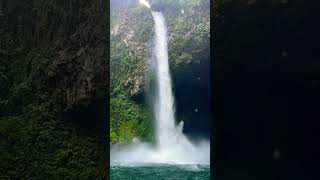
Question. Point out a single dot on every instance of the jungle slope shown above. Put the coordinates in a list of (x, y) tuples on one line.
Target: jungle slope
[(53, 76)]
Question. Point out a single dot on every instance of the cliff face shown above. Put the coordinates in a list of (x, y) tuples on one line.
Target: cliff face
[(53, 61), (188, 36), (74, 37), (79, 68)]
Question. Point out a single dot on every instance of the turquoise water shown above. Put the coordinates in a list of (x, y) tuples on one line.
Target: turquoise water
[(160, 172)]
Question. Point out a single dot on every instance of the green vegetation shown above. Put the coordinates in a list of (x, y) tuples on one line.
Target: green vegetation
[(128, 120), (36, 140)]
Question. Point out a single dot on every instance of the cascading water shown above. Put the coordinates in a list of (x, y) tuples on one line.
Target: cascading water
[(172, 147), (164, 101)]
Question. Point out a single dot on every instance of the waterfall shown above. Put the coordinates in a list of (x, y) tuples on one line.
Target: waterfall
[(173, 147), (170, 139), (164, 100)]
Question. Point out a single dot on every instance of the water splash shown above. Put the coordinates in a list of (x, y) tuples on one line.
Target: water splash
[(172, 147)]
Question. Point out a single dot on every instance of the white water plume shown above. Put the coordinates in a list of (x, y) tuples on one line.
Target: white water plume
[(172, 147)]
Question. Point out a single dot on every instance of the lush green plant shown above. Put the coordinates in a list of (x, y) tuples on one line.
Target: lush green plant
[(128, 120), (35, 142)]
